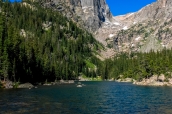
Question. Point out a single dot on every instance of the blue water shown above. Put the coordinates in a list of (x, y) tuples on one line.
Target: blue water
[(94, 98)]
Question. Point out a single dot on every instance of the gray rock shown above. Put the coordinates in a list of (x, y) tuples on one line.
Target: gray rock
[(92, 12), (26, 85)]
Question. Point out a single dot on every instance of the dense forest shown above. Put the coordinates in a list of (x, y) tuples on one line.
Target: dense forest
[(139, 65), (38, 45)]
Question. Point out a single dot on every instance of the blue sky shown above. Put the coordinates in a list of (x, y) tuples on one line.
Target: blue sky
[(120, 7), (14, 0)]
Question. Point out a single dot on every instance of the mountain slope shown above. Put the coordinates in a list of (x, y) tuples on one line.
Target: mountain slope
[(38, 45), (148, 29), (151, 22)]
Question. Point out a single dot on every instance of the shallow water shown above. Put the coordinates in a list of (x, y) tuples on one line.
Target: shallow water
[(94, 98)]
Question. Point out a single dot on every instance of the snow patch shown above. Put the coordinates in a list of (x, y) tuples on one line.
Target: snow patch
[(132, 45), (125, 28), (134, 22), (116, 23), (113, 27), (111, 35), (138, 38), (130, 14)]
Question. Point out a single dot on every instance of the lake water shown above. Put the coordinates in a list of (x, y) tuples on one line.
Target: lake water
[(94, 98)]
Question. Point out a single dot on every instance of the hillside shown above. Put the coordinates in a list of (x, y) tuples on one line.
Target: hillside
[(39, 44)]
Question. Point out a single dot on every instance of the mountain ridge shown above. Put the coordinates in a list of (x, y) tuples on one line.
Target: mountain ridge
[(131, 32)]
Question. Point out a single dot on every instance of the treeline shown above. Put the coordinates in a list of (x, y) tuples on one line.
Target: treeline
[(140, 65), (38, 45)]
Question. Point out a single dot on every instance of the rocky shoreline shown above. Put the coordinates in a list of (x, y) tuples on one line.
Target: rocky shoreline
[(10, 85), (152, 81), (155, 81)]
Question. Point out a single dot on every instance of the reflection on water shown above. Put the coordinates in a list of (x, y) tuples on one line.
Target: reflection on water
[(94, 98)]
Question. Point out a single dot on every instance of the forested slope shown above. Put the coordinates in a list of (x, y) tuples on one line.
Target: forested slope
[(38, 44), (140, 65)]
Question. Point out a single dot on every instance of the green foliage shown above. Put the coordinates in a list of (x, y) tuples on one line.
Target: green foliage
[(16, 84), (89, 64)]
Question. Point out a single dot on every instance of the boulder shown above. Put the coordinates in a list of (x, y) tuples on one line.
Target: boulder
[(26, 85)]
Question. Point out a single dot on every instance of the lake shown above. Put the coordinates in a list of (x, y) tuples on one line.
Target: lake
[(94, 98)]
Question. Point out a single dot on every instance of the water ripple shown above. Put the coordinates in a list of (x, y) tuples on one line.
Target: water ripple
[(94, 98)]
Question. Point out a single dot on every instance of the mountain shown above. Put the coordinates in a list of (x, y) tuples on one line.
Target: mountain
[(148, 29), (142, 31)]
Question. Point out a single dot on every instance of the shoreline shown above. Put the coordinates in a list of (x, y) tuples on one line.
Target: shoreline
[(151, 81)]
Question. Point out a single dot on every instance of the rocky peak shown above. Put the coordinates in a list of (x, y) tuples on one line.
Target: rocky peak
[(148, 29), (160, 9)]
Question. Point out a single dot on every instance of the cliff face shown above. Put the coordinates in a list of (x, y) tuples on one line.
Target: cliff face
[(91, 12)]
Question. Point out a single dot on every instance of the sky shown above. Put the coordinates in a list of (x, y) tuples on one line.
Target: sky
[(13, 0), (121, 7)]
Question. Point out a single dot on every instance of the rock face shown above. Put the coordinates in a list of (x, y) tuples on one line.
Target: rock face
[(92, 12)]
